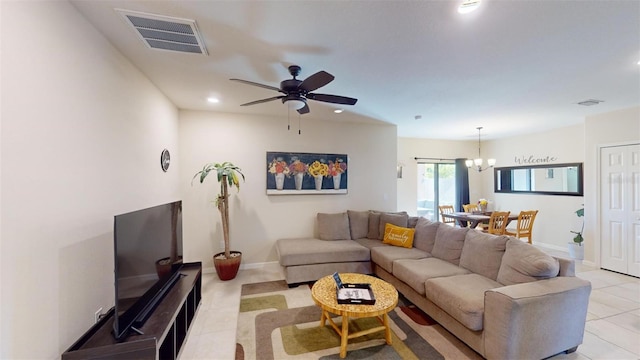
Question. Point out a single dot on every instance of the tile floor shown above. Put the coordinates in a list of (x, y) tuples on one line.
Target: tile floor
[(612, 329)]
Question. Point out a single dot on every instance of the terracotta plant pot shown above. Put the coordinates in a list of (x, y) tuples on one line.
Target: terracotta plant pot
[(163, 266), (227, 269)]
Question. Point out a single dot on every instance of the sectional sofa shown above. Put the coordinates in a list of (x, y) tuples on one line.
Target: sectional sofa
[(503, 297)]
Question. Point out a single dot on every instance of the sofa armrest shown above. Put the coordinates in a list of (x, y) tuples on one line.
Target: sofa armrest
[(567, 266), (535, 320)]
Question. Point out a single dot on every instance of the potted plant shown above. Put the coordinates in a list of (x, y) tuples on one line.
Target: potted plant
[(226, 263), (575, 248)]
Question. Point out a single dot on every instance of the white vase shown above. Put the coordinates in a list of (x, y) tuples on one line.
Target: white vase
[(576, 251), (318, 179), (279, 181), (336, 181), (298, 179)]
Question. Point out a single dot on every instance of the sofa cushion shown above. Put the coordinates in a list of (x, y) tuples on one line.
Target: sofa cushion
[(384, 256), (376, 231), (374, 225), (412, 221), (358, 223), (425, 236), (333, 226), (398, 236), (461, 296), (449, 242), (369, 243), (482, 253), (314, 251), (415, 272), (398, 219), (522, 263)]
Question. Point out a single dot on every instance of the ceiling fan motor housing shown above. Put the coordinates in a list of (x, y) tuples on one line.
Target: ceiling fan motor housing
[(291, 86)]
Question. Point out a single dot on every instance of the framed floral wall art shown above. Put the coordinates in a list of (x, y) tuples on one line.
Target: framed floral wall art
[(291, 173)]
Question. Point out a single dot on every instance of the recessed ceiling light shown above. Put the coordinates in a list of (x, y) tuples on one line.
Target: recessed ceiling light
[(468, 6), (338, 111), (213, 100)]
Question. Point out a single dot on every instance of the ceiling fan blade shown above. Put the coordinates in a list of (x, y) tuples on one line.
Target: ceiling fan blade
[(256, 84), (263, 100), (316, 81), (304, 109), (336, 99)]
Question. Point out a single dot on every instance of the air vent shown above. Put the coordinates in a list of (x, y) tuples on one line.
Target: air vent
[(165, 33), (590, 102)]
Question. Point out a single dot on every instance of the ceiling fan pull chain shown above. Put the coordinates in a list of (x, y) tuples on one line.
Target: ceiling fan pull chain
[(299, 131), (288, 119)]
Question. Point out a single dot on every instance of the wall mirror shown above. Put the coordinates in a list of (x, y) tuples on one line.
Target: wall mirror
[(550, 179)]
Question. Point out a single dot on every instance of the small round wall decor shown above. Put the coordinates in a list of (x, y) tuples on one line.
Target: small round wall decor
[(165, 160)]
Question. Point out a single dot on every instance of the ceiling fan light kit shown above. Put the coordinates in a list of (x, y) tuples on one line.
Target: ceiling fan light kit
[(294, 104), (297, 92)]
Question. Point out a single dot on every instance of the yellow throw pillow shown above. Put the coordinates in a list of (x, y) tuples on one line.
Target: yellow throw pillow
[(398, 236)]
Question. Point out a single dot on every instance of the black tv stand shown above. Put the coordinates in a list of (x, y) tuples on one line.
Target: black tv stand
[(162, 335), (151, 306), (135, 330)]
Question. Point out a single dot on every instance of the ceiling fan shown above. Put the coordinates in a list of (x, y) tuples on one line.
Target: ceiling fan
[(296, 92)]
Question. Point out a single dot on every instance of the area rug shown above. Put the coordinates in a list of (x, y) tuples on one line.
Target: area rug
[(276, 322)]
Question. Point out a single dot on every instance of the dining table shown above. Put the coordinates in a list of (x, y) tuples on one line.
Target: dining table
[(474, 218)]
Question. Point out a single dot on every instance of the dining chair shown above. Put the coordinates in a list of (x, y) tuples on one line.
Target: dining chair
[(498, 222), (447, 209), (470, 207), (525, 225)]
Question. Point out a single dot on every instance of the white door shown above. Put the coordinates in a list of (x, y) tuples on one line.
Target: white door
[(620, 214)]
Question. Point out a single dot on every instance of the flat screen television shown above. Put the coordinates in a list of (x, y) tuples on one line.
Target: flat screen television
[(148, 258)]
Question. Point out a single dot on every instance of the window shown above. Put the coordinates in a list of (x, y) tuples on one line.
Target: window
[(436, 186)]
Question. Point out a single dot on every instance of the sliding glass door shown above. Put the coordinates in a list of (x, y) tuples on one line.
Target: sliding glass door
[(436, 186)]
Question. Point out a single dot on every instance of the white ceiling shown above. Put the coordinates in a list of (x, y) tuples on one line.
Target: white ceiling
[(513, 67)]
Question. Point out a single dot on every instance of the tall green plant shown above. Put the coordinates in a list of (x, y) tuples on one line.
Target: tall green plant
[(227, 176), (578, 239)]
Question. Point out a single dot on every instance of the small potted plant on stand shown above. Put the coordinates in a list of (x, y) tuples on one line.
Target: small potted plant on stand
[(576, 250), (226, 263)]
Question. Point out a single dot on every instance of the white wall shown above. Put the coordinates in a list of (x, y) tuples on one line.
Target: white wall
[(410, 148), (82, 131), (556, 215), (258, 220), (614, 128)]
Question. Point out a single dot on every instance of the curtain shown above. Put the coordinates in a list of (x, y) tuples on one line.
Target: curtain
[(462, 184)]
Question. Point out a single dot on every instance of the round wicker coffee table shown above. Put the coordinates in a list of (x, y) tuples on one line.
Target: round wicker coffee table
[(324, 295)]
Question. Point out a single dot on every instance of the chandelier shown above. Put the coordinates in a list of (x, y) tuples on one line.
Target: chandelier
[(477, 162)]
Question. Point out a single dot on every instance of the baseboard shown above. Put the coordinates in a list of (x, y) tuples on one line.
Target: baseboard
[(565, 253), (264, 265), (553, 247), (271, 265)]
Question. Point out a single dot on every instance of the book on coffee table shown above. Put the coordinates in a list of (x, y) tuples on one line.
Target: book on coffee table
[(353, 293)]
